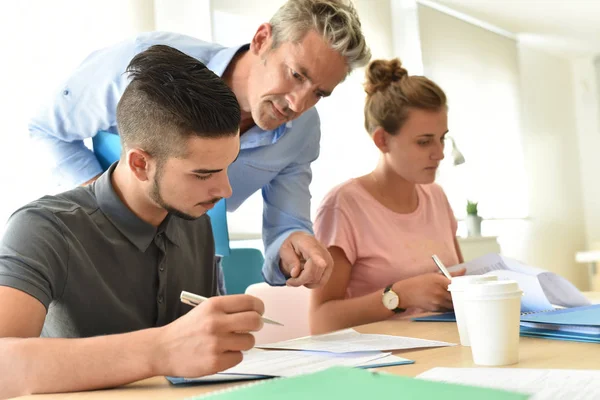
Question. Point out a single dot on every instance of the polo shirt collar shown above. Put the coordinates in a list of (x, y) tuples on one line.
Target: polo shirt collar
[(137, 231)]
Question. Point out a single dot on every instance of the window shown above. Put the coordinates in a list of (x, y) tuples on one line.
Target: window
[(478, 70)]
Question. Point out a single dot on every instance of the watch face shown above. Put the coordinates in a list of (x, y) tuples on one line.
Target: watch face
[(390, 300)]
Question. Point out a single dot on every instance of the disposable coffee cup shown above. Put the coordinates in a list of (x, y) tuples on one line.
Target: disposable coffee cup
[(492, 311), (457, 289)]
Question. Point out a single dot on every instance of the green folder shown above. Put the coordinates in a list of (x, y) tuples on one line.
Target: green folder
[(350, 383)]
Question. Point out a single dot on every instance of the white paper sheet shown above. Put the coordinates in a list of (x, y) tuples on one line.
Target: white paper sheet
[(542, 288), (290, 363), (348, 341), (543, 384)]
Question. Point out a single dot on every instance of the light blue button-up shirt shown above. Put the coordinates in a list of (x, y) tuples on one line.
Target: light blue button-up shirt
[(277, 161)]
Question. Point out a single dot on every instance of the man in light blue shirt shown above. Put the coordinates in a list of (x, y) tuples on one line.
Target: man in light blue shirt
[(300, 56)]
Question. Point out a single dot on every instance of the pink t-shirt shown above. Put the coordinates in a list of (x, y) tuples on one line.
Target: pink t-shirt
[(382, 245)]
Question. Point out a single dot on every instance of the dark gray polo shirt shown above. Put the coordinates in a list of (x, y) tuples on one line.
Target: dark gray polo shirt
[(99, 269)]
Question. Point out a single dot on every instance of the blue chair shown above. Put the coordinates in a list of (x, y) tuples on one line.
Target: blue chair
[(218, 220), (107, 148), (242, 268)]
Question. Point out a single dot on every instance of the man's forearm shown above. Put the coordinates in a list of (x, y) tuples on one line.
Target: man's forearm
[(41, 365)]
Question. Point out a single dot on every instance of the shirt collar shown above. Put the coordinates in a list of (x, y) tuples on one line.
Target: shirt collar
[(221, 60), (137, 231)]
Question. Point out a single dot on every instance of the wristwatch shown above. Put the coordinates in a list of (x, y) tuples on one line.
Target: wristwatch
[(391, 300)]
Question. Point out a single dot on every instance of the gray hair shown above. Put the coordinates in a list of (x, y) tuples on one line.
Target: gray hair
[(335, 20)]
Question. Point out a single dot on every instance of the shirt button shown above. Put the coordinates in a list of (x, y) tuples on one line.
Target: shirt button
[(160, 299), (161, 269)]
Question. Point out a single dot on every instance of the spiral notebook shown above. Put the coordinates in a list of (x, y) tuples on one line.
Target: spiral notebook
[(581, 324)]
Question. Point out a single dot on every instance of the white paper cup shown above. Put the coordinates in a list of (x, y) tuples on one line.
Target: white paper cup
[(492, 311), (457, 289)]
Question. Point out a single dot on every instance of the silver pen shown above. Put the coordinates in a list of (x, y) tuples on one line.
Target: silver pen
[(441, 266), (194, 300)]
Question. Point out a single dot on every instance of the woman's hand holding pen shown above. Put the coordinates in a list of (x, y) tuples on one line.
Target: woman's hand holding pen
[(210, 337), (428, 292)]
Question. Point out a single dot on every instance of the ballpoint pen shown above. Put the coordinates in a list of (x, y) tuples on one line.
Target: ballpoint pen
[(441, 266), (194, 300)]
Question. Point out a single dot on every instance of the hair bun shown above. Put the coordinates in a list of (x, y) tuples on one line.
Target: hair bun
[(381, 73)]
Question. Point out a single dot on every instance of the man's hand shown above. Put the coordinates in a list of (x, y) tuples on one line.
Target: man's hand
[(210, 338), (305, 261)]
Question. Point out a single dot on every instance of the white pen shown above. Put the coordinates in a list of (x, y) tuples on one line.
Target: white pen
[(194, 300), (441, 266)]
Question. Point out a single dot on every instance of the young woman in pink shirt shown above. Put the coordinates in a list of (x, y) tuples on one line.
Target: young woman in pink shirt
[(382, 228)]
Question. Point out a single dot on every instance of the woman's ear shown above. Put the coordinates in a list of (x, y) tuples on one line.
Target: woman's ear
[(380, 138), (139, 163)]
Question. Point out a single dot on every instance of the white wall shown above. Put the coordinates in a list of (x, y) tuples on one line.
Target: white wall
[(42, 42), (478, 70), (544, 153), (189, 17), (554, 231), (586, 89)]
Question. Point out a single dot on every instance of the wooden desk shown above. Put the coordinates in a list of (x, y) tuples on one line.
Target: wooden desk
[(534, 353)]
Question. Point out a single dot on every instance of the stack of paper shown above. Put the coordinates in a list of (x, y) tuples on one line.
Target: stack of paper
[(543, 384), (315, 353)]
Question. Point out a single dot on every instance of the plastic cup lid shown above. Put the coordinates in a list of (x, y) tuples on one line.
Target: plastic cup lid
[(493, 289), (461, 282)]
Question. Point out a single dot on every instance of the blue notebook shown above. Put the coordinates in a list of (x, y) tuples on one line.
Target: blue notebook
[(559, 335), (578, 324), (579, 316)]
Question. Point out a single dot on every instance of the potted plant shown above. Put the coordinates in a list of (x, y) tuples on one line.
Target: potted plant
[(473, 219)]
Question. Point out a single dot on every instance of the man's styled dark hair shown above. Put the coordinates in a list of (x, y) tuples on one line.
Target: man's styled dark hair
[(172, 97)]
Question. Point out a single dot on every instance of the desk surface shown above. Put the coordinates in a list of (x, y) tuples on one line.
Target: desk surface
[(534, 353)]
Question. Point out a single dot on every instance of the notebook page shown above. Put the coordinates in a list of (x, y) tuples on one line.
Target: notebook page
[(543, 384)]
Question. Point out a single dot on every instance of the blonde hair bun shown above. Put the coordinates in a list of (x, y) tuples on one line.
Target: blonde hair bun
[(381, 73)]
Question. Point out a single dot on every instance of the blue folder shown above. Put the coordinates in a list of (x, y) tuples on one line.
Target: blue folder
[(443, 317)]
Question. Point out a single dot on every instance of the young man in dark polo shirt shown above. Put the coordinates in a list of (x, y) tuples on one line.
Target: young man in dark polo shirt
[(90, 278)]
